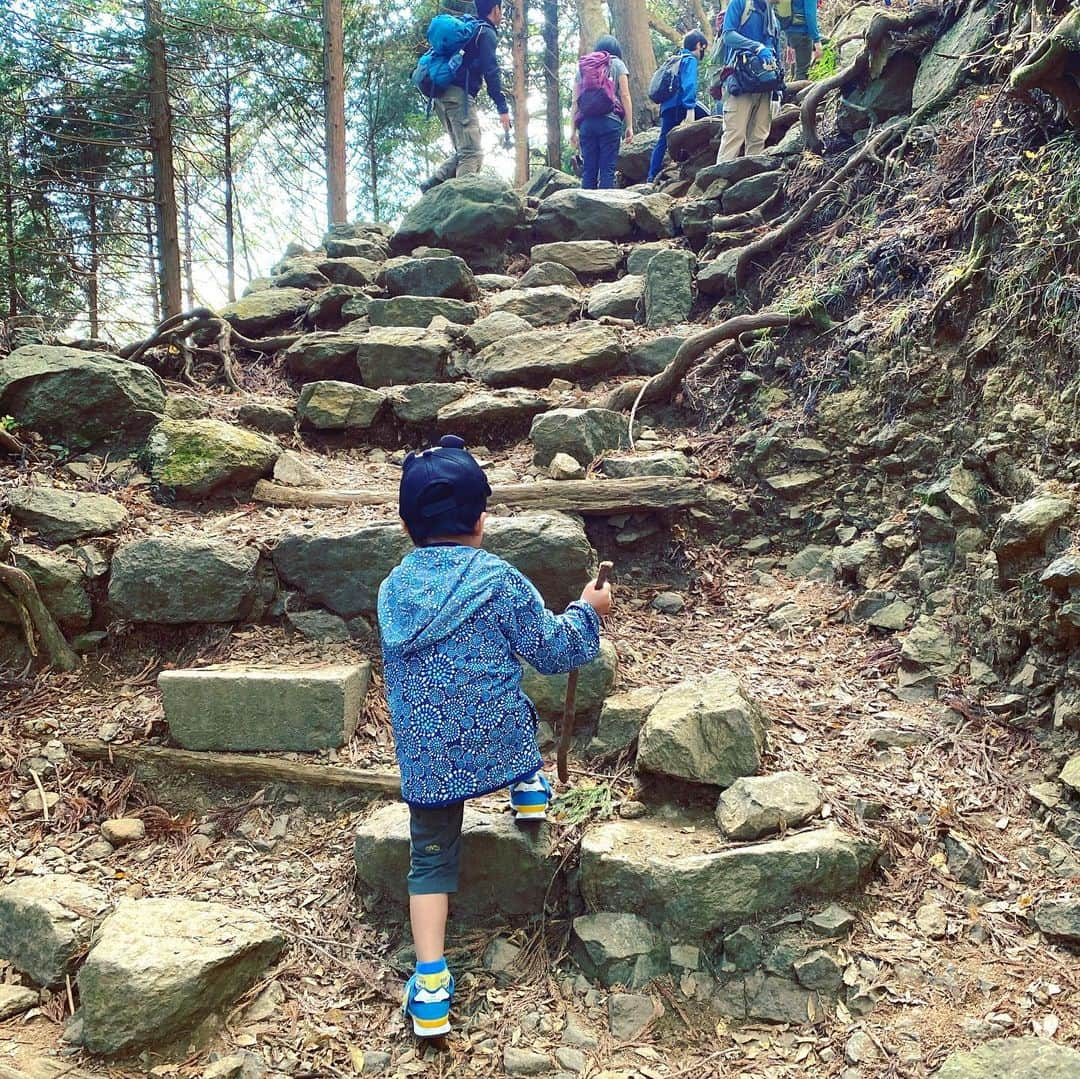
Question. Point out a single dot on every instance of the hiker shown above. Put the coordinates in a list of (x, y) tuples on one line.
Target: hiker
[(798, 21), (601, 111), (752, 41), (453, 620), (456, 105), (683, 103)]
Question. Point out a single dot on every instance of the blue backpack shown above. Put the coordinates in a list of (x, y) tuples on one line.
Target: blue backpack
[(448, 36)]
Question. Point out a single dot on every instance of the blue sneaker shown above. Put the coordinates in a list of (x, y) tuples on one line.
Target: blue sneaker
[(529, 797), (427, 1002)]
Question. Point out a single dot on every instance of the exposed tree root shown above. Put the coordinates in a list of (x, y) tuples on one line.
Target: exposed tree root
[(1053, 66), (982, 246), (9, 443), (37, 622), (199, 323)]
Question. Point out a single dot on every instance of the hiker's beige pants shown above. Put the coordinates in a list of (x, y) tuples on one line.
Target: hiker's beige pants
[(462, 123), (747, 121)]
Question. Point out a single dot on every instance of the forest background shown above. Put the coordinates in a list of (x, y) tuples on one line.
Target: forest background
[(98, 97)]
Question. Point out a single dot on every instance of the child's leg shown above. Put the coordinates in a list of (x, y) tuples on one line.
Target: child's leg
[(427, 913)]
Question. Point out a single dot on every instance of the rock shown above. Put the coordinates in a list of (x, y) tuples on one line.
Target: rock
[(860, 1048), (595, 679), (180, 407), (635, 155), (813, 562), (946, 59), (323, 355), (1060, 919), (472, 215), (46, 923), (83, 400), (356, 249), (654, 214), (302, 273), (619, 949), (586, 215), (518, 1061), (195, 458), (549, 305), (339, 306), (577, 1032), (672, 873), (1067, 709), (495, 282), (339, 406), (703, 732), (1025, 528), (179, 959), (450, 278), (503, 411), (621, 718), (669, 288), (893, 617), (501, 958), (123, 830), (533, 359), (549, 273), (419, 311), (963, 861), (793, 485), (318, 625), (237, 707), (546, 181), (616, 299), (293, 471), (32, 803), (572, 1060), (61, 583), (1013, 1058), (236, 1066), (696, 137), (499, 851), (177, 579), (751, 192), (668, 603), (720, 276), (888, 94), (270, 419), (391, 355), (16, 999), (767, 997), (267, 312), (62, 516), (928, 647), (343, 572), (494, 327), (583, 433), (756, 806), (652, 357), (564, 467), (629, 1014), (588, 258), (350, 271), (657, 463), (931, 919), (421, 402), (832, 922)]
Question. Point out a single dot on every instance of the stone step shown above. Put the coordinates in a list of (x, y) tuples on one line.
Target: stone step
[(683, 877), (235, 707), (506, 869)]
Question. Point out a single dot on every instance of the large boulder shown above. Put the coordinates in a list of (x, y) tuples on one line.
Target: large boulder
[(194, 458), (636, 155), (751, 192), (179, 579), (887, 94), (595, 679), (621, 719), (421, 402), (350, 270), (584, 257), (506, 869), (619, 949), (706, 731), (324, 355), (395, 355), (62, 516), (652, 357), (551, 549), (237, 707), (586, 215), (1013, 1058), (339, 406), (669, 288), (180, 960), (616, 299), (583, 433), (1026, 527), (302, 273), (492, 328), (46, 924), (507, 412), (419, 311), (446, 277), (950, 55), (267, 311), (533, 359), (548, 305), (540, 274), (673, 874), (757, 806), (472, 215), (83, 400)]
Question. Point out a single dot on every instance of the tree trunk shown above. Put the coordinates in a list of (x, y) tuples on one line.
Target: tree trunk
[(520, 53), (630, 24), (592, 24), (551, 84), (161, 150), (151, 256), (92, 291), (230, 199), (189, 242), (334, 106), (11, 276)]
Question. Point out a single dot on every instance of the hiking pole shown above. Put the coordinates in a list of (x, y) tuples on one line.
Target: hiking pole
[(566, 731)]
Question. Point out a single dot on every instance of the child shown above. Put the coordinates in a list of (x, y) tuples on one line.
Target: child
[(452, 619)]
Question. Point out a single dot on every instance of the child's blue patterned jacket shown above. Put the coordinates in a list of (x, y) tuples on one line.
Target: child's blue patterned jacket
[(452, 620)]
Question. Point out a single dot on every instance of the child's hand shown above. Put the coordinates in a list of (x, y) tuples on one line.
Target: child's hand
[(598, 598)]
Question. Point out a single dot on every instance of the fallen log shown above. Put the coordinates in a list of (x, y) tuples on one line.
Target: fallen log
[(598, 497), (239, 767)]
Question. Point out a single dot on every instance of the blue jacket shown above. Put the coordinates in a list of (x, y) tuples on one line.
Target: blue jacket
[(479, 64), (686, 98), (453, 620), (803, 19), (759, 29)]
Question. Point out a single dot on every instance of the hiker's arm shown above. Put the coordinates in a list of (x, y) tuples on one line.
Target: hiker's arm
[(733, 19), (810, 8), (489, 68), (575, 136), (688, 80), (628, 111), (552, 643)]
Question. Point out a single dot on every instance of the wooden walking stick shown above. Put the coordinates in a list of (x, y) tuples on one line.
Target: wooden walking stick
[(566, 731)]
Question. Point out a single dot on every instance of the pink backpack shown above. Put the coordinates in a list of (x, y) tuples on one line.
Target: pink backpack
[(596, 92)]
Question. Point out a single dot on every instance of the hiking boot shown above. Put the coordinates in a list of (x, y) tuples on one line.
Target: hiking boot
[(428, 184), (529, 797), (427, 1002)]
